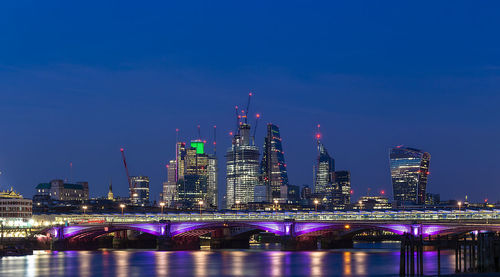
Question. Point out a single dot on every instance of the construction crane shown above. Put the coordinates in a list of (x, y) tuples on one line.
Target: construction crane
[(248, 107), (257, 117), (126, 171)]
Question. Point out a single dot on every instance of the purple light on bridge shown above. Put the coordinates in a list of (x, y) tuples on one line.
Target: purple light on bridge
[(304, 228)]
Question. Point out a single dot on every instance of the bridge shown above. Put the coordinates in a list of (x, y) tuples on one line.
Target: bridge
[(297, 230)]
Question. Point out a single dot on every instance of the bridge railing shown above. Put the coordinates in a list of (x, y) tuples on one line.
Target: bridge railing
[(426, 215)]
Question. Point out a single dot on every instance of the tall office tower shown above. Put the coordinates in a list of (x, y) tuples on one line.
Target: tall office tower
[(192, 187), (212, 191), (170, 186), (341, 193), (409, 170), (325, 172), (273, 167), (242, 164), (139, 193)]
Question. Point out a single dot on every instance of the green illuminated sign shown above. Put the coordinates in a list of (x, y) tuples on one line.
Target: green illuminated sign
[(199, 145)]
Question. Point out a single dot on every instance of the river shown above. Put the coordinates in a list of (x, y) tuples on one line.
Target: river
[(366, 259)]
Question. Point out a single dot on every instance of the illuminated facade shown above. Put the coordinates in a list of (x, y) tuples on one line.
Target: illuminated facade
[(242, 164), (273, 167), (13, 205), (325, 171), (58, 190), (341, 192), (170, 186), (194, 173), (139, 192), (409, 172)]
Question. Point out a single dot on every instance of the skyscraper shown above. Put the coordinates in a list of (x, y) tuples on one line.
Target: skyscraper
[(341, 189), (325, 172), (242, 164), (140, 189), (273, 167), (409, 170), (170, 186)]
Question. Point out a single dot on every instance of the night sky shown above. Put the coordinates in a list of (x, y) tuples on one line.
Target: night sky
[(80, 80)]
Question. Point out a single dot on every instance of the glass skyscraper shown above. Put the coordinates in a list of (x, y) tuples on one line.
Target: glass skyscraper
[(140, 189), (409, 172), (325, 171), (273, 167), (242, 168)]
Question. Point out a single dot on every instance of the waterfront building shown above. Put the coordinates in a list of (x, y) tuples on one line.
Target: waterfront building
[(373, 203), (59, 190), (139, 192), (242, 168), (409, 172), (13, 205), (273, 167)]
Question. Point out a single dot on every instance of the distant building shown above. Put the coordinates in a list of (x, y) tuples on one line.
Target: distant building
[(212, 197), (409, 172), (341, 190), (58, 190), (306, 192), (110, 192), (260, 194), (325, 171), (291, 194), (242, 168), (170, 186), (432, 199), (139, 192), (273, 167), (13, 205), (373, 203)]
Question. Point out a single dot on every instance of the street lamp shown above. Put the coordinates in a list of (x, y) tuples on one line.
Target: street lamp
[(316, 202), (162, 204), (459, 206), (237, 204), (360, 204), (201, 205), (275, 204), (84, 209), (123, 207)]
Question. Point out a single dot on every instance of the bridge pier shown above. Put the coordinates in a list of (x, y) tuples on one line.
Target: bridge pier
[(335, 242), (58, 243), (120, 240)]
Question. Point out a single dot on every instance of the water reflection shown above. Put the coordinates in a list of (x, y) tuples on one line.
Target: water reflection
[(252, 262)]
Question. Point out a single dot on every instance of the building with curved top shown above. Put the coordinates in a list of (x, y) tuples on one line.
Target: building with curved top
[(409, 173)]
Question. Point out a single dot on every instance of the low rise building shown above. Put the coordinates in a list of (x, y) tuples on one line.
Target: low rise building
[(13, 205), (59, 190)]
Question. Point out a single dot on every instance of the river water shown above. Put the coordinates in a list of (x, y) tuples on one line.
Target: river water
[(366, 259)]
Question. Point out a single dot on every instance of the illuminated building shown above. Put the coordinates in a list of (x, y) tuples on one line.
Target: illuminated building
[(260, 194), (273, 167), (373, 203), (341, 189), (195, 174), (13, 205), (139, 192), (325, 171), (170, 186), (110, 192), (58, 190), (409, 172), (242, 164)]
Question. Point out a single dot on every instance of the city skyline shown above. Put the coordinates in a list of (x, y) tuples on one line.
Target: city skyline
[(75, 91)]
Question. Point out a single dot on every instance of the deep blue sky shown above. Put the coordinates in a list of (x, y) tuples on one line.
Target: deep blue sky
[(80, 80)]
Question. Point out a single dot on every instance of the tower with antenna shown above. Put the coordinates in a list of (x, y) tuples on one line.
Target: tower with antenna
[(242, 162)]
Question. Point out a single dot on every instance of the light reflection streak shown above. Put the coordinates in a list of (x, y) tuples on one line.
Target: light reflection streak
[(347, 263), (200, 263), (360, 259), (161, 262), (84, 263), (317, 263), (122, 263), (276, 263), (238, 263)]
